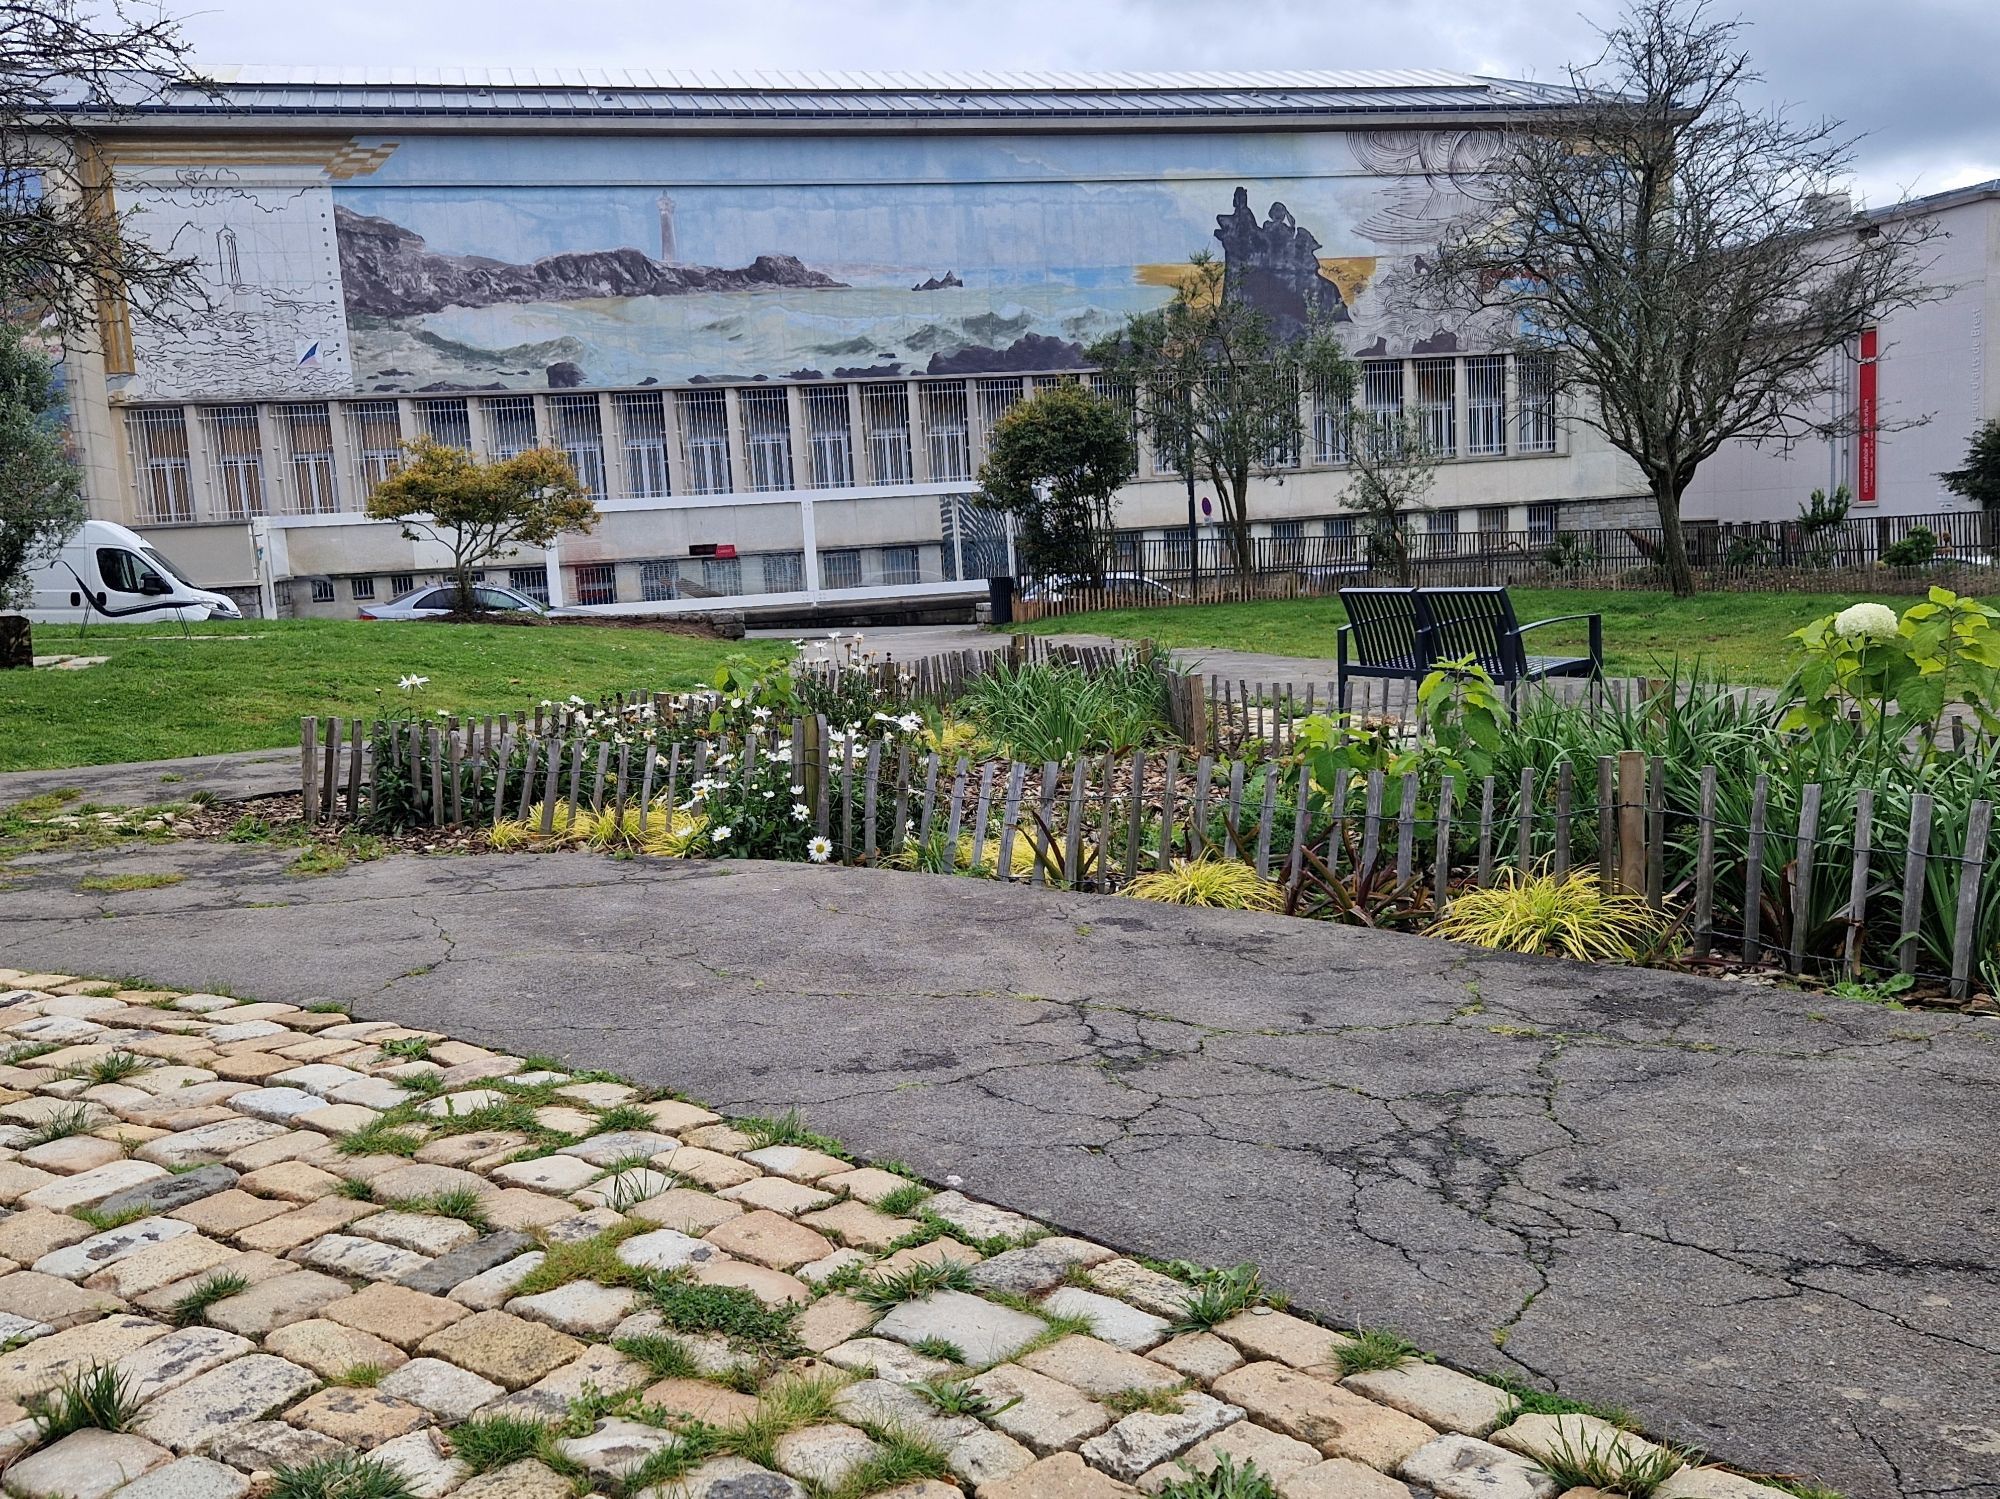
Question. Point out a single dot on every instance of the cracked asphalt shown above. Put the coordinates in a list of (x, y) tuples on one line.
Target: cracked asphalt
[(1765, 1222)]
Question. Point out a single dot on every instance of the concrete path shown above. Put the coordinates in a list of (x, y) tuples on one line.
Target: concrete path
[(230, 778), (1763, 1221)]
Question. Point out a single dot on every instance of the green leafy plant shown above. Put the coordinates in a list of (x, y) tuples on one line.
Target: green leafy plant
[(95, 1397), (664, 1357), (1916, 547), (71, 1119), (942, 1349), (729, 1310), (1051, 710), (1572, 915), (904, 1200), (114, 1066), (955, 1397), (1882, 992), (409, 1048), (192, 1307)]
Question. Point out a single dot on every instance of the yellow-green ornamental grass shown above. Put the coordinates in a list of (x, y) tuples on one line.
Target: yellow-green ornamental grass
[(1223, 885), (1571, 915)]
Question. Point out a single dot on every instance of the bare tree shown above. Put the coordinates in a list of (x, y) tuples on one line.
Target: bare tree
[(1391, 467), (1677, 254), (1216, 389), (67, 69)]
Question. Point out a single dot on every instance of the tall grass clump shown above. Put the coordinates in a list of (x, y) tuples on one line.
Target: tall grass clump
[(1052, 710)]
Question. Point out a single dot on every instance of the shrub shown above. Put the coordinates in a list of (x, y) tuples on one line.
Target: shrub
[(1914, 548), (1571, 915), (1222, 884)]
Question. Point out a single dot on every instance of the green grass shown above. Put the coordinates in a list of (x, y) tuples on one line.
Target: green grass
[(347, 1476), (1739, 636), (118, 884), (488, 1442), (193, 1307), (1374, 1349), (94, 1397), (242, 685)]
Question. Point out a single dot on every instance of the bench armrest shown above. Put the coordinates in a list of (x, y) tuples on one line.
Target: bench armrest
[(1596, 623), (1560, 619)]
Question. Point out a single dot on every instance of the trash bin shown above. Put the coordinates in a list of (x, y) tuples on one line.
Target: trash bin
[(1000, 594)]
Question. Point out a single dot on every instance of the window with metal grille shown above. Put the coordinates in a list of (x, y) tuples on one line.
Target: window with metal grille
[(510, 425), (840, 569), (1382, 404), (1288, 542), (767, 437), (994, 397), (402, 583), (1333, 420), (235, 461), (1486, 405), (160, 467), (533, 581), (885, 416), (722, 575), (902, 564), (579, 432), (1437, 405), (597, 583), (447, 420), (659, 580), (642, 424), (1535, 393), (829, 437), (1340, 534), (374, 440), (306, 429), (784, 572), (361, 590), (1492, 522), (1542, 522), (947, 433), (322, 590), (704, 419), (1443, 528)]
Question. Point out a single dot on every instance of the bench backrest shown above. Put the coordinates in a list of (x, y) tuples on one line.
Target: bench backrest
[(1475, 622), (1384, 624)]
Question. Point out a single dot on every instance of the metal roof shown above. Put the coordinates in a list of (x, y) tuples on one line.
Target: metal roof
[(775, 95)]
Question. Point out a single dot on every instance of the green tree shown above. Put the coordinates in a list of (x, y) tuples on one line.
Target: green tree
[(1218, 392), (1979, 480), (482, 511), (1054, 463), (41, 496)]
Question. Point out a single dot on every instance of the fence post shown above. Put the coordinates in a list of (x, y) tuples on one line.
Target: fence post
[(308, 766), (1632, 821), (1857, 884), (1753, 871), (1802, 865), (1913, 883), (1704, 868), (1971, 870)]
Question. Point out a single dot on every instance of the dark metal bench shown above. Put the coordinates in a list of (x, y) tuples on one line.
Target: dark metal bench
[(1402, 633)]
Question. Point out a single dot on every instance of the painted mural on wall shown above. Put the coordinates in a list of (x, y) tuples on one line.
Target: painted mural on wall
[(274, 324), (469, 263)]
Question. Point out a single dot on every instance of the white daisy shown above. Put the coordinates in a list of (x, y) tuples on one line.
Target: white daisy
[(820, 850)]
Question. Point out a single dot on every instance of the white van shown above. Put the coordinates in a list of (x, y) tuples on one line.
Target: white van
[(106, 573)]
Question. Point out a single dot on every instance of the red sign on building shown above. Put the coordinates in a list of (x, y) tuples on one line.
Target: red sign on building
[(1864, 412)]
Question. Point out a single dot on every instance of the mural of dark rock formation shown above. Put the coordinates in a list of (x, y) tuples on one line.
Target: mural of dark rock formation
[(1274, 266), (387, 271)]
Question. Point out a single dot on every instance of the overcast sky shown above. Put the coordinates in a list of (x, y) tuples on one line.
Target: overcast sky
[(1919, 77)]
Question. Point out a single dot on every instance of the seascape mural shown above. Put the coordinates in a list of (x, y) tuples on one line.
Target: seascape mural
[(470, 263)]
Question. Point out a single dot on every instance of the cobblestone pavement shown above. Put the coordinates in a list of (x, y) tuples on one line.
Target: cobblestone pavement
[(293, 1237)]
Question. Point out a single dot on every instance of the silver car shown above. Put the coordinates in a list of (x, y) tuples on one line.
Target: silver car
[(437, 600)]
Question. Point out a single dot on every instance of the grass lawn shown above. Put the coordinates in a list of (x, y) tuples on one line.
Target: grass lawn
[(245, 685), (1739, 637)]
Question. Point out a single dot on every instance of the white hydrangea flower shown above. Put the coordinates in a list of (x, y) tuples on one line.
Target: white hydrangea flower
[(1866, 622)]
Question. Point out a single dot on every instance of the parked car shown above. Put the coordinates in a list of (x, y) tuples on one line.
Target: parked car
[(1126, 588), (108, 573), (437, 600)]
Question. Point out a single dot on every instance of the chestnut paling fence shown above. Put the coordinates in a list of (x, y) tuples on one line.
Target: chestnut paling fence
[(1852, 884)]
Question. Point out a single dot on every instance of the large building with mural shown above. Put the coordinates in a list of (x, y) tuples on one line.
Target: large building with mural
[(771, 323)]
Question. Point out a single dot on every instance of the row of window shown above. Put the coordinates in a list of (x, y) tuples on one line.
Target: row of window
[(324, 458)]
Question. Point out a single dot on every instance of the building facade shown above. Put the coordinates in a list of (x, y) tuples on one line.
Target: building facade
[(1907, 396), (771, 325)]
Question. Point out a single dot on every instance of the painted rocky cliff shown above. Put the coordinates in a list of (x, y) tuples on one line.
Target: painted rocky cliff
[(1274, 265), (388, 271)]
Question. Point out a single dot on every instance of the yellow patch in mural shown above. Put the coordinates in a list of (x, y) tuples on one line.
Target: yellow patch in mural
[(1351, 273), (1178, 275)]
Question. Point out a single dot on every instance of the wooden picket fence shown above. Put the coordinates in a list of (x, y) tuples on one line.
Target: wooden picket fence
[(1098, 821)]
